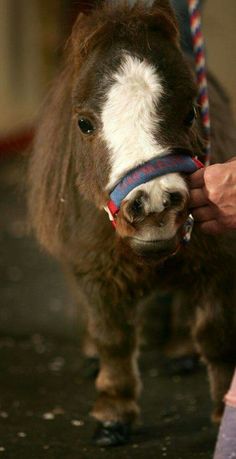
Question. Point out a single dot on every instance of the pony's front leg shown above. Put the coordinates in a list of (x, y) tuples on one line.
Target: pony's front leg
[(113, 329)]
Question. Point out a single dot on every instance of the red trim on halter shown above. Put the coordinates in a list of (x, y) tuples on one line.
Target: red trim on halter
[(113, 209), (198, 163)]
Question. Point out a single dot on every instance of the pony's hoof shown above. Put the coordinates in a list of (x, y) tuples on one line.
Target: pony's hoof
[(112, 434)]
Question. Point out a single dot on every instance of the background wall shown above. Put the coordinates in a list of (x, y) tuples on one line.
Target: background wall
[(220, 34), (20, 62)]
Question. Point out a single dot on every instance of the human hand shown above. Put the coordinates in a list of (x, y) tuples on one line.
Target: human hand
[(213, 197)]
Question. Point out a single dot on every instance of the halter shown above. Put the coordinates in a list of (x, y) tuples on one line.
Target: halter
[(179, 160)]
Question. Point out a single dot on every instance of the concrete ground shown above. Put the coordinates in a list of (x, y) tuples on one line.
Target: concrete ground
[(45, 388), (46, 396)]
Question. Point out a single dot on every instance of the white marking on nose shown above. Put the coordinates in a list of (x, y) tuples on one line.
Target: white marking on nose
[(156, 189), (129, 116)]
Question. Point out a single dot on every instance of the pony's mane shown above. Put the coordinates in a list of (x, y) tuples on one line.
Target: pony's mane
[(118, 20)]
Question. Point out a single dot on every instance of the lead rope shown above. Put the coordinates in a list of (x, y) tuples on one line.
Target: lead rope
[(200, 64)]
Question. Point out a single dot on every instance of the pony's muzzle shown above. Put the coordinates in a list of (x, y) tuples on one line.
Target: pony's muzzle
[(153, 225), (160, 249), (140, 206)]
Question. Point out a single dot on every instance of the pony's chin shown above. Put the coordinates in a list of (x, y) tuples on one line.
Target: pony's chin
[(156, 250)]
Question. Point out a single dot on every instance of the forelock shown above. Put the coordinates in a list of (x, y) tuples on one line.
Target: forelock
[(130, 115)]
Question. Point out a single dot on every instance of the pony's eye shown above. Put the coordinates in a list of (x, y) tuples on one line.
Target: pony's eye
[(188, 121), (86, 125)]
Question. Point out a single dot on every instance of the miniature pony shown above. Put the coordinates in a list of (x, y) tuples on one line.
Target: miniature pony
[(126, 95)]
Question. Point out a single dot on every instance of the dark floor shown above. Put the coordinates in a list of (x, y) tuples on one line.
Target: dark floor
[(46, 395), (45, 388)]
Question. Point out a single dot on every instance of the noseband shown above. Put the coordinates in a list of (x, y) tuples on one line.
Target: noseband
[(179, 160)]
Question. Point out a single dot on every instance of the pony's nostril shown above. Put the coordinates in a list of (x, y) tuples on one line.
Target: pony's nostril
[(136, 206), (176, 199), (136, 209), (166, 202), (173, 199)]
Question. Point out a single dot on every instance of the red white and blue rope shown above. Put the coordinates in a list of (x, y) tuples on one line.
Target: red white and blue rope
[(200, 62)]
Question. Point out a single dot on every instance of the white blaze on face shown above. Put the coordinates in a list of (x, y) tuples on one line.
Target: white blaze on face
[(130, 117)]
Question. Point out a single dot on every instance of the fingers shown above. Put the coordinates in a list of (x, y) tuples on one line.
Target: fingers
[(196, 180), (212, 192), (231, 159), (198, 198), (209, 220), (211, 227), (204, 214)]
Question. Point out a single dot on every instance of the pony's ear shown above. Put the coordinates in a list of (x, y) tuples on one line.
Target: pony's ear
[(164, 4), (87, 32), (163, 17), (77, 42)]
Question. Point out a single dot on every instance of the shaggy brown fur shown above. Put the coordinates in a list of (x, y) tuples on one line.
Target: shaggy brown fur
[(67, 179)]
